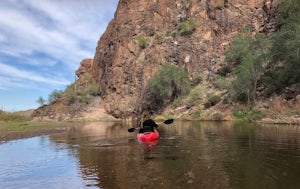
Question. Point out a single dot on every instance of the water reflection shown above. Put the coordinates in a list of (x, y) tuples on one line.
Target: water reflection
[(188, 155)]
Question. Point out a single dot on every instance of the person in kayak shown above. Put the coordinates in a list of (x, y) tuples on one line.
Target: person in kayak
[(146, 123)]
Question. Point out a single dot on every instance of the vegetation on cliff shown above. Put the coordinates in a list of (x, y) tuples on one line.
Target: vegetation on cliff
[(194, 61), (257, 66), (272, 64), (168, 84)]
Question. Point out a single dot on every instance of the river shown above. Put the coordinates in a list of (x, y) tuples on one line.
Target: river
[(208, 155)]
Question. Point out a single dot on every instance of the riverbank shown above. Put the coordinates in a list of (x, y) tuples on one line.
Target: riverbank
[(15, 130), (27, 129)]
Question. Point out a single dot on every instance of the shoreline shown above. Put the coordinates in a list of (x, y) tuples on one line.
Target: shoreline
[(10, 131)]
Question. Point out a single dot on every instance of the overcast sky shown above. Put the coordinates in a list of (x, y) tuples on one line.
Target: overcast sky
[(42, 43)]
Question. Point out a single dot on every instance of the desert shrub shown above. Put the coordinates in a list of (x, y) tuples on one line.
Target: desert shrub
[(197, 115), (171, 33), (247, 113), (94, 89), (54, 95), (41, 101), (169, 83), (213, 100), (177, 102), (285, 46), (85, 99), (142, 41), (187, 27), (12, 116), (221, 83), (249, 53), (81, 94), (195, 95), (197, 79)]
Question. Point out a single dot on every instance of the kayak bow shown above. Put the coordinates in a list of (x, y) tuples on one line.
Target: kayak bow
[(148, 137)]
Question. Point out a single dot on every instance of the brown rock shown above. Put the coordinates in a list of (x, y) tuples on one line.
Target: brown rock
[(123, 69)]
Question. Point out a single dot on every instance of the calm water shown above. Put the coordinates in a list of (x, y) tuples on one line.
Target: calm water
[(189, 155)]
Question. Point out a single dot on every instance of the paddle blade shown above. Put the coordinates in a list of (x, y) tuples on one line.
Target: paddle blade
[(168, 121), (131, 130)]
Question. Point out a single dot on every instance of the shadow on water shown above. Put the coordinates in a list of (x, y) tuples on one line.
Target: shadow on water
[(188, 155)]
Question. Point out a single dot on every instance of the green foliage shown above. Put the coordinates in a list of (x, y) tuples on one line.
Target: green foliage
[(250, 55), (247, 113), (197, 115), (187, 27), (171, 33), (258, 59), (55, 94), (195, 95), (84, 99), (213, 100), (94, 89), (70, 94), (221, 83), (177, 102), (142, 41), (7, 116), (41, 101), (169, 83), (197, 79), (81, 94), (286, 46), (239, 48)]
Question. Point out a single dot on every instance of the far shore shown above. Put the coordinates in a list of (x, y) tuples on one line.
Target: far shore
[(15, 130), (26, 129)]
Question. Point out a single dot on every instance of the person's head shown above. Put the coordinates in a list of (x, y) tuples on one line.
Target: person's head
[(146, 115)]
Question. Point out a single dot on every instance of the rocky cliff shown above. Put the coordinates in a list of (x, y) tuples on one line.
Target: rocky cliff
[(123, 67)]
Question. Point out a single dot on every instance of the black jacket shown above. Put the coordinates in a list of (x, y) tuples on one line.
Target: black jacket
[(148, 126)]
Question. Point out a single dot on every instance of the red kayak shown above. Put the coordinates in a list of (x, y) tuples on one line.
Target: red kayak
[(148, 137)]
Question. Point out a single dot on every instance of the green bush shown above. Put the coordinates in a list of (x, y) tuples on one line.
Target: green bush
[(94, 89), (41, 101), (195, 95), (142, 41), (197, 79), (168, 84), (285, 46), (187, 27), (55, 94), (250, 55), (247, 113), (8, 116), (213, 100), (81, 94), (221, 83)]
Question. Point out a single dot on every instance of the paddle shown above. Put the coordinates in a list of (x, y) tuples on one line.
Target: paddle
[(168, 121)]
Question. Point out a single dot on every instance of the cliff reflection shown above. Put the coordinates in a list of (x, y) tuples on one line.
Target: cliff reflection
[(188, 155)]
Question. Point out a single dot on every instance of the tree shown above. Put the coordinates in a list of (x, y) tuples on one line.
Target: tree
[(169, 83), (286, 46), (41, 101), (250, 53), (55, 94)]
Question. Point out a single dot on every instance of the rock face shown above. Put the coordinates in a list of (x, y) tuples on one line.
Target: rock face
[(123, 67), (146, 34)]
